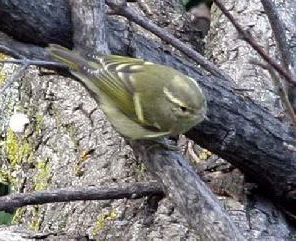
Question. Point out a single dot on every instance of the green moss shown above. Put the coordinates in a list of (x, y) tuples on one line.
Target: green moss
[(68, 128), (20, 149), (204, 154), (17, 149), (79, 171), (2, 77), (36, 219), (18, 215), (42, 177), (102, 221), (5, 176), (140, 170)]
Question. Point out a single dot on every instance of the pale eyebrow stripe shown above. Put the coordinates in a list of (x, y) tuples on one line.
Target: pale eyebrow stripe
[(171, 98)]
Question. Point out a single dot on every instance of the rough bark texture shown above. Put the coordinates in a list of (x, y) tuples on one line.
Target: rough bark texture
[(232, 55), (197, 204), (37, 31), (66, 123), (89, 29), (71, 124)]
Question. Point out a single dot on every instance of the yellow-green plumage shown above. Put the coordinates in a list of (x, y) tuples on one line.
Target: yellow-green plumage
[(142, 100)]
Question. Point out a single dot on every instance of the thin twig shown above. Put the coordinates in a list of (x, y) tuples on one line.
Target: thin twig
[(10, 51), (120, 8), (25, 63), (244, 89), (249, 39), (33, 62), (279, 32), (16, 75), (117, 191), (280, 89)]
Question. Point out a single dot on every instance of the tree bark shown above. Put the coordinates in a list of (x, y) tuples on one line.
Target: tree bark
[(189, 193), (238, 130), (51, 26)]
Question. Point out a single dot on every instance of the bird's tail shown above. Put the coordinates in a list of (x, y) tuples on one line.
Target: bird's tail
[(71, 58), (78, 66)]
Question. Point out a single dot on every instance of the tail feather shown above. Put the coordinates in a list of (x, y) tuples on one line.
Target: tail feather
[(71, 58), (78, 66)]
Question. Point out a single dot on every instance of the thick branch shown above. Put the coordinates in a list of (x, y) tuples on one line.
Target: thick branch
[(118, 191), (89, 19), (41, 30), (188, 192), (129, 13), (251, 41)]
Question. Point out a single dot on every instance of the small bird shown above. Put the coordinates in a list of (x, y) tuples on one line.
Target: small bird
[(142, 100)]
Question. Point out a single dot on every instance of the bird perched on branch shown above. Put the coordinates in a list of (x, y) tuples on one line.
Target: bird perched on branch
[(142, 100)]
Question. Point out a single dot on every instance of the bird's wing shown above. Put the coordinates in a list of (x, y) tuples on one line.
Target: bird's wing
[(126, 126), (114, 75), (110, 75)]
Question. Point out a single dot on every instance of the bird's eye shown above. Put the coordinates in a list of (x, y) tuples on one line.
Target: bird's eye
[(183, 109)]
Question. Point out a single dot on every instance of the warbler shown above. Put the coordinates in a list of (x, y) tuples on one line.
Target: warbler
[(142, 100)]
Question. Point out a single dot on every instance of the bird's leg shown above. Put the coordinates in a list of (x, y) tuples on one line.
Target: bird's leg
[(163, 143)]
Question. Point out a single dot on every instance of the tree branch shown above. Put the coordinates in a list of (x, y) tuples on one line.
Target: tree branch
[(249, 39), (19, 49), (280, 90), (193, 199), (288, 61), (15, 76), (121, 8), (115, 191), (89, 21), (279, 32), (34, 62)]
